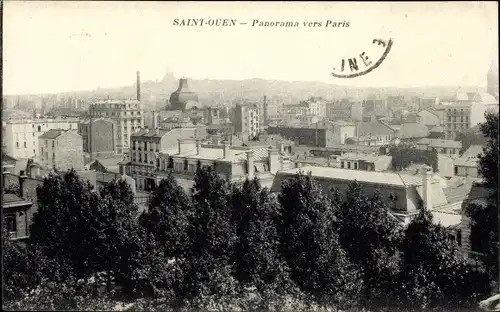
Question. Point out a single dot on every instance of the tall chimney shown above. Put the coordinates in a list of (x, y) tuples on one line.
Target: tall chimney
[(179, 143), (427, 184), (138, 86), (250, 165), (265, 111), (226, 149)]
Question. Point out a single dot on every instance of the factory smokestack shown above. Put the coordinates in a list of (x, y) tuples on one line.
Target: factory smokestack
[(138, 86)]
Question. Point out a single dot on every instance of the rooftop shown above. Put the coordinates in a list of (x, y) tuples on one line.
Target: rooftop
[(376, 127), (470, 156), (440, 143), (52, 134), (9, 198), (413, 130), (358, 175), (217, 153)]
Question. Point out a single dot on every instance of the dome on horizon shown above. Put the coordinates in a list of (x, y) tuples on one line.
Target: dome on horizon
[(182, 96)]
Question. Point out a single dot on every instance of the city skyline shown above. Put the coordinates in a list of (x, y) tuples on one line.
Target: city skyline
[(67, 46)]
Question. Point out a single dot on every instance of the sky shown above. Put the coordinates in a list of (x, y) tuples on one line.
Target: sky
[(51, 47)]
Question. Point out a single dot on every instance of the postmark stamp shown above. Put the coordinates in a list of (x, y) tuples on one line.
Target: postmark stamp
[(351, 68)]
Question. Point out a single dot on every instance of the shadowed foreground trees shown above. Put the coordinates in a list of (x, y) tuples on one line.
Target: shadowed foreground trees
[(229, 247)]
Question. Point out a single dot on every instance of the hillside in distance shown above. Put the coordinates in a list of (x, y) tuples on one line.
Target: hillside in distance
[(211, 91)]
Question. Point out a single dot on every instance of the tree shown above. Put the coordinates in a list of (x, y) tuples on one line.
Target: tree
[(167, 217), (488, 161), (484, 219), (257, 258), (59, 228), (310, 244), (371, 237), (81, 232), (433, 272), (211, 236), (15, 264)]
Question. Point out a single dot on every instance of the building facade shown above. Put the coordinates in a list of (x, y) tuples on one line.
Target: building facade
[(20, 137), (144, 154), (246, 119), (126, 114), (374, 132), (61, 150), (100, 139)]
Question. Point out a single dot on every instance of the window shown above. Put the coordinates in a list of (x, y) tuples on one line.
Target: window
[(146, 158), (348, 165), (46, 143), (355, 165), (10, 223), (145, 145), (17, 144), (39, 128), (53, 144)]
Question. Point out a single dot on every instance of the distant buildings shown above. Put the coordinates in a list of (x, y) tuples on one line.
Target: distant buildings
[(100, 138), (346, 109), (20, 137), (429, 117), (61, 149), (374, 133), (146, 148), (447, 147), (126, 114), (246, 120), (467, 111)]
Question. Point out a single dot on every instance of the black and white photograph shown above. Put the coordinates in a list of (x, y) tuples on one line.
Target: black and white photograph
[(250, 156)]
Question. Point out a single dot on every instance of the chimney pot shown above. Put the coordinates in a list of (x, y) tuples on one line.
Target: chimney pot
[(226, 149)]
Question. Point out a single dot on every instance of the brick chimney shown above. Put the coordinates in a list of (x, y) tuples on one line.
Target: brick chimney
[(226, 148), (426, 173), (273, 160), (250, 165), (198, 147), (22, 183)]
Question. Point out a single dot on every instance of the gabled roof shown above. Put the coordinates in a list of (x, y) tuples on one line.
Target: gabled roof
[(52, 134), (376, 127), (413, 130), (7, 158)]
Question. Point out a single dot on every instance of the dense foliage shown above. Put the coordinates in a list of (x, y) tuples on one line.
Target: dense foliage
[(229, 247), (484, 217), (403, 155)]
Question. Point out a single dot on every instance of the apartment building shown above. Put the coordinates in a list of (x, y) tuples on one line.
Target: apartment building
[(99, 137), (126, 114), (447, 147), (467, 111), (246, 119), (20, 137), (235, 163), (61, 149), (345, 109), (374, 132), (316, 107), (146, 146)]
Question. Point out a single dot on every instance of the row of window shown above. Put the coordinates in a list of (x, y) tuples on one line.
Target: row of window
[(461, 119)]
